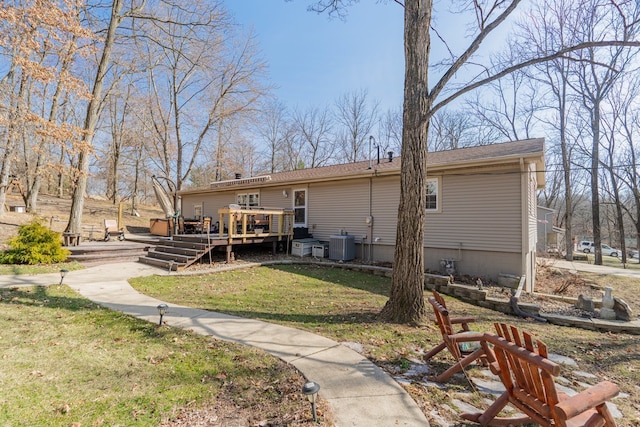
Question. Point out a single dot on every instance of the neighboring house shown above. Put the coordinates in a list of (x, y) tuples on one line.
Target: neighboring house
[(481, 205), (550, 237)]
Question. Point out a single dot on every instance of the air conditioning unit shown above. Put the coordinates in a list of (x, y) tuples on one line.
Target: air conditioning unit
[(342, 248)]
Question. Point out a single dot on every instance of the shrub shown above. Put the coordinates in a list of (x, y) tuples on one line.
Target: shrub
[(35, 244)]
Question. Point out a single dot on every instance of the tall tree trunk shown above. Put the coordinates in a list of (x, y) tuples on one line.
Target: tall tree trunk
[(91, 119), (406, 300), (595, 185), (566, 166), (14, 130)]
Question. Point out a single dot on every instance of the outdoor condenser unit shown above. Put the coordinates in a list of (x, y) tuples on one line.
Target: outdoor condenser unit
[(342, 248)]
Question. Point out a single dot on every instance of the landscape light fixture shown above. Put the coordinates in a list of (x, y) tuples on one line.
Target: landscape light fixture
[(310, 389), (162, 310), (171, 266), (63, 273)]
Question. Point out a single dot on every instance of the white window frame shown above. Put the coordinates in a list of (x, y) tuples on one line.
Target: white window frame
[(197, 212), (438, 194), (246, 196), (305, 206)]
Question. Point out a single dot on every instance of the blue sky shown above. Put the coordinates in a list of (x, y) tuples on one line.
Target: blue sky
[(313, 59)]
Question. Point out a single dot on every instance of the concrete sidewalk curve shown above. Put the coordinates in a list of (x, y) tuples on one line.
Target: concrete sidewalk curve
[(359, 392)]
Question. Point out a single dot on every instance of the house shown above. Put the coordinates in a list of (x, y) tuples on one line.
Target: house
[(481, 206), (550, 237)]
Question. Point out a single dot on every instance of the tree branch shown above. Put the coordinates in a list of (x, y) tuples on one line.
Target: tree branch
[(559, 54)]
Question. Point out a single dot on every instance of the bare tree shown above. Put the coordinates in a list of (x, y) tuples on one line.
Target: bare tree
[(356, 118), (507, 105), (272, 128), (547, 29), (390, 131), (596, 71), (93, 109), (210, 73), (448, 130), (312, 128)]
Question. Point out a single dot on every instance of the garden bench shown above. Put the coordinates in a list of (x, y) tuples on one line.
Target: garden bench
[(528, 376), (453, 341)]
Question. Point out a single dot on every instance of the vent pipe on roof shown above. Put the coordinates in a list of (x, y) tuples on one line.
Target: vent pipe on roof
[(238, 176), (390, 154)]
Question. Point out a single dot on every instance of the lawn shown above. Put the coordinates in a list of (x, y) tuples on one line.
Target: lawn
[(66, 361), (343, 305)]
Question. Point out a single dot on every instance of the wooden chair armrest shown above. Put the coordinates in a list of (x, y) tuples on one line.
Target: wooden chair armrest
[(587, 399), (456, 320), (466, 336)]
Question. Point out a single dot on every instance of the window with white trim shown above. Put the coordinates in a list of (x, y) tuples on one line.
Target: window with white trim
[(300, 208), (248, 200), (433, 194), (197, 211)]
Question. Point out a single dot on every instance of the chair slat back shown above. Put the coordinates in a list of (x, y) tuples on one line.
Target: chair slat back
[(526, 371), (444, 323)]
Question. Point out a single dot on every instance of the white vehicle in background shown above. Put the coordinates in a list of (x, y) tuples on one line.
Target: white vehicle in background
[(589, 247)]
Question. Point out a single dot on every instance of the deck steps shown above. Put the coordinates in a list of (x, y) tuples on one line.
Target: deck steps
[(107, 252), (181, 251)]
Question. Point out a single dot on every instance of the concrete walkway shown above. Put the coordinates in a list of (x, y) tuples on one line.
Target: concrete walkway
[(358, 392), (592, 268)]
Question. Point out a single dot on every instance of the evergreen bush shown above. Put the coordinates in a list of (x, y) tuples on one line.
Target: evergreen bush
[(35, 244)]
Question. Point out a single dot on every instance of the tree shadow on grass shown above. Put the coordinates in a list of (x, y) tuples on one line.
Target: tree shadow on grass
[(364, 317), (339, 277), (45, 297)]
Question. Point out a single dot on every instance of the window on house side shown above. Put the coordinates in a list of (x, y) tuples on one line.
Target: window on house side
[(432, 194), (248, 200), (300, 208)]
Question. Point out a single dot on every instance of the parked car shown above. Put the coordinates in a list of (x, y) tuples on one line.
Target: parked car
[(589, 247), (633, 254)]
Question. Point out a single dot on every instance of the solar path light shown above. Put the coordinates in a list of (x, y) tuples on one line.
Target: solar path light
[(63, 273), (162, 310), (310, 389)]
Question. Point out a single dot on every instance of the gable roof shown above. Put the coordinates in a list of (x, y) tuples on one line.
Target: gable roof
[(532, 149)]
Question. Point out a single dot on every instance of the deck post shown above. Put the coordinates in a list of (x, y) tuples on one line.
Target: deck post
[(229, 247)]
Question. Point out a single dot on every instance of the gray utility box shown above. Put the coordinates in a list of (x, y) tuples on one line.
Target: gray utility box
[(302, 247), (342, 248), (320, 250)]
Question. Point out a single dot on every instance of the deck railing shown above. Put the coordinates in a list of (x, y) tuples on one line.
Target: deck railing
[(240, 223)]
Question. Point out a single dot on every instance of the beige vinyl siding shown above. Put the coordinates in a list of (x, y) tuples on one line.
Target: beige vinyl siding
[(212, 202), (273, 198), (336, 206), (386, 198), (479, 212)]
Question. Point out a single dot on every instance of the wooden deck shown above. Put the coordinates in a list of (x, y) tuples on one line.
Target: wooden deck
[(239, 227)]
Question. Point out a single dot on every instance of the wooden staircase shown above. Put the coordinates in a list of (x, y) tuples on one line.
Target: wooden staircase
[(180, 252), (99, 252)]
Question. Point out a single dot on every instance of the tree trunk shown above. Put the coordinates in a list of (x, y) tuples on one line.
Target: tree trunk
[(14, 129), (566, 165), (91, 119), (595, 185), (406, 300)]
